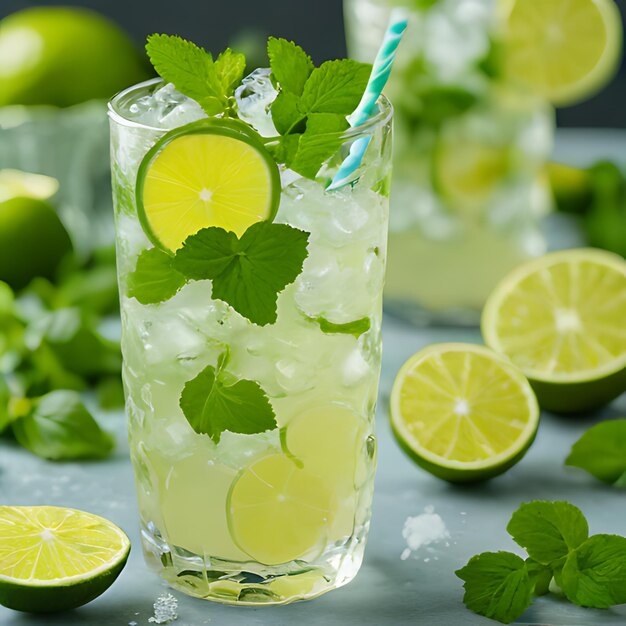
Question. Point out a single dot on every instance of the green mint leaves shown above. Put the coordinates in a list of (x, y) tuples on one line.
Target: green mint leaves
[(497, 585), (548, 530), (212, 405), (591, 571), (309, 112), (311, 108), (248, 272), (601, 451), (57, 426), (154, 279), (193, 72)]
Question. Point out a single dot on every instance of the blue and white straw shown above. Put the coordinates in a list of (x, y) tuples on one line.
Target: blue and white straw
[(378, 79)]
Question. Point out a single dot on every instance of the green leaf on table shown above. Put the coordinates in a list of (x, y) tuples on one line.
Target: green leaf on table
[(247, 273), (72, 337), (290, 64), (59, 427), (321, 140), (497, 585), (335, 87), (355, 328), (594, 574), (229, 68), (190, 69), (154, 279), (212, 406), (601, 451), (540, 575), (548, 530)]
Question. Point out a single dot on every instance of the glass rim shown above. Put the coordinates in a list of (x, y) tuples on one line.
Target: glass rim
[(382, 118)]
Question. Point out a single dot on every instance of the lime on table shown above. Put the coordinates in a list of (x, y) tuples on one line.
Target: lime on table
[(565, 50), (208, 173), (54, 559), (561, 319), (32, 240), (462, 412), (63, 56), (279, 512)]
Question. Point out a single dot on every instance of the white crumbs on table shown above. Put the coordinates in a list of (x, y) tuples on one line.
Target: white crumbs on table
[(423, 530), (165, 609)]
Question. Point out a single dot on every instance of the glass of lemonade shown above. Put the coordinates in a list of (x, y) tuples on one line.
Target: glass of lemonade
[(279, 515), (468, 189)]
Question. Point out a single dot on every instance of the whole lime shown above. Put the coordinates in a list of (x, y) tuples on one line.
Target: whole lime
[(63, 56), (32, 240)]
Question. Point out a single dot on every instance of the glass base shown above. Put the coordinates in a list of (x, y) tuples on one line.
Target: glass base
[(251, 584)]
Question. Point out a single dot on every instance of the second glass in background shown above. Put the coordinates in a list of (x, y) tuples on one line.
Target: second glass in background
[(468, 191)]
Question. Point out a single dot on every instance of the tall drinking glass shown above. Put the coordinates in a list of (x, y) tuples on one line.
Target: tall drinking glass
[(283, 515), (468, 189)]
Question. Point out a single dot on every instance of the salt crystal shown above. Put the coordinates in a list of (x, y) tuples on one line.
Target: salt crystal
[(165, 609), (423, 530)]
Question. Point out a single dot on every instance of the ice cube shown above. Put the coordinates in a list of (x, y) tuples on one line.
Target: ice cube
[(355, 368), (254, 97)]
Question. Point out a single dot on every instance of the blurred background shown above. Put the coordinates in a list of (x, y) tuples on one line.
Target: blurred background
[(317, 26)]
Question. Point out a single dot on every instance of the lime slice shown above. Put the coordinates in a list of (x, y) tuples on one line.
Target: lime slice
[(54, 559), (15, 183), (462, 412), (571, 187), (208, 173), (328, 441), (566, 50), (466, 173), (278, 512), (560, 318)]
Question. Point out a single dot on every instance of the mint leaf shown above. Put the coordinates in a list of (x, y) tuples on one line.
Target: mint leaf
[(229, 69), (286, 115), (335, 87), (154, 279), (540, 575), (290, 64), (356, 328), (211, 406), (548, 530), (594, 574), (497, 585), (247, 273), (284, 150), (190, 69), (60, 428), (601, 451), (321, 140)]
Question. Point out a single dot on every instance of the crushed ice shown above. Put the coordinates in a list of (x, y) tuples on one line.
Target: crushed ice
[(165, 609), (423, 530)]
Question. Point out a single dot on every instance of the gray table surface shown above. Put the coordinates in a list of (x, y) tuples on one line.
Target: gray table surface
[(388, 590)]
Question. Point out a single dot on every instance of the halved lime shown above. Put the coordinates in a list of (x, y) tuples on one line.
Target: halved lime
[(562, 320), (463, 412), (54, 559), (565, 50), (15, 183), (208, 173), (278, 512)]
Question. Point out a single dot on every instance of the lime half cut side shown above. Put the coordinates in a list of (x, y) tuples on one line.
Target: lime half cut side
[(566, 50), (54, 559), (462, 412), (562, 319), (208, 173), (278, 512)]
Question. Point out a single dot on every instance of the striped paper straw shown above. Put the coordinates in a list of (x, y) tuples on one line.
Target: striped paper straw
[(378, 79)]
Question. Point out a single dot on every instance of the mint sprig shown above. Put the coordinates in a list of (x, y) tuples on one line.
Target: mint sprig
[(193, 72), (601, 451), (590, 571), (213, 405), (154, 279)]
